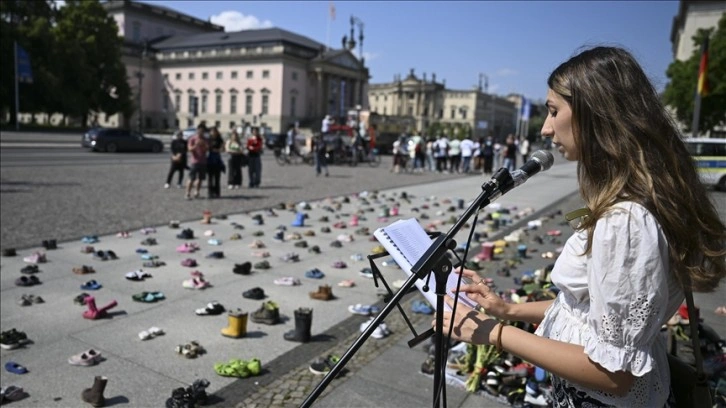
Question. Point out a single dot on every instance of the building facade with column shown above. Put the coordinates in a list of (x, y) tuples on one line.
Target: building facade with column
[(428, 102), (183, 70)]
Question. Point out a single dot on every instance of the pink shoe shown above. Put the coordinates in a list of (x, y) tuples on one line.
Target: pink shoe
[(186, 247), (197, 274), (189, 262), (353, 221), (200, 283), (394, 211), (261, 254), (35, 258)]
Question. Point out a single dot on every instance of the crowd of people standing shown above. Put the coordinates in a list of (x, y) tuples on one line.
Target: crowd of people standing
[(201, 155), (441, 154)]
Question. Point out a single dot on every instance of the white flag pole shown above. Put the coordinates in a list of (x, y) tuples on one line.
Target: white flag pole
[(17, 93)]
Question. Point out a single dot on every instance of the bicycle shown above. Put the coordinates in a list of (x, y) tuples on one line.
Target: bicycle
[(371, 157), (284, 157)]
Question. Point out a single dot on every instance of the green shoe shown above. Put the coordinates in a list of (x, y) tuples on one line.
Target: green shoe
[(258, 233), (262, 265), (254, 367)]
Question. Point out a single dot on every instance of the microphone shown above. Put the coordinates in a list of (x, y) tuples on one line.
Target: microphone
[(541, 160)]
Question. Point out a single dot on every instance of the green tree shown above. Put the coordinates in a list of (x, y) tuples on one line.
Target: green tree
[(681, 90), (92, 74), (26, 22)]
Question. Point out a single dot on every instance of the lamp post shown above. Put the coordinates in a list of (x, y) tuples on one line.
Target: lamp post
[(357, 21), (140, 76)]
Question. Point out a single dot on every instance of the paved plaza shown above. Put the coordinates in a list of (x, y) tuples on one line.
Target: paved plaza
[(384, 373)]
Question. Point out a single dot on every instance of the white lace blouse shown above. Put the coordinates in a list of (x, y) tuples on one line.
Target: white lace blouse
[(614, 302)]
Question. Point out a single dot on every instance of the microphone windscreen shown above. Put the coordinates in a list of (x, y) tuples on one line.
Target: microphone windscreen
[(545, 158)]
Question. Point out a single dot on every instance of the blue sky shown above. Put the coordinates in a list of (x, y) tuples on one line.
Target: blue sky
[(515, 44)]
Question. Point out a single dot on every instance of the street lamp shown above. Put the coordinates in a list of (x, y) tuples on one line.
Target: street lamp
[(140, 76)]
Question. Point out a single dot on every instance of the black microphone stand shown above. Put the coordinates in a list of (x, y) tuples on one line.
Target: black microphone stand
[(433, 260)]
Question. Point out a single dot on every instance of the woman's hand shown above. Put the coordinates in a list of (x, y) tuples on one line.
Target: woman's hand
[(469, 326), (480, 293)]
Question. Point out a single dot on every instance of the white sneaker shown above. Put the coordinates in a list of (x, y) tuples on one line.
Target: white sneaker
[(166, 185), (229, 187), (539, 400)]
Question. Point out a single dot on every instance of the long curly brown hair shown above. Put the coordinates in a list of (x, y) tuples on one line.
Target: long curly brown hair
[(629, 149)]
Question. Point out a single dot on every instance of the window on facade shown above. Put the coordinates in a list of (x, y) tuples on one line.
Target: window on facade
[(410, 111), (385, 97), (217, 124), (453, 113), (385, 110), (218, 103), (248, 104), (136, 32), (293, 102), (177, 102), (165, 101), (231, 125), (178, 76), (166, 77), (294, 75), (234, 74), (219, 74), (192, 101), (190, 122), (233, 103), (441, 113), (463, 113), (204, 103), (265, 74), (205, 75), (248, 75), (191, 75), (265, 102), (376, 98)]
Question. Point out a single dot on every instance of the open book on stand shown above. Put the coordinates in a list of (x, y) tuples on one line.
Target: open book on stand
[(406, 241)]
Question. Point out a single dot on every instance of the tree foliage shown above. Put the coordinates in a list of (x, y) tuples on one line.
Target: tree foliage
[(75, 54), (683, 75)]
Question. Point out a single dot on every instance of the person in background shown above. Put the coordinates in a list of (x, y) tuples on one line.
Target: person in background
[(236, 160), (215, 164), (178, 150), (477, 159), (510, 153), (441, 149), (487, 153), (327, 122), (197, 147), (254, 151), (320, 152), (622, 273), (454, 155), (467, 151), (430, 164), (290, 147), (524, 149)]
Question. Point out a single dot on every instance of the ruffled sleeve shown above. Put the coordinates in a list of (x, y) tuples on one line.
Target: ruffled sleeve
[(628, 285)]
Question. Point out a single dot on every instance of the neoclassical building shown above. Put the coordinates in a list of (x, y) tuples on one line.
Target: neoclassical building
[(184, 70), (427, 101)]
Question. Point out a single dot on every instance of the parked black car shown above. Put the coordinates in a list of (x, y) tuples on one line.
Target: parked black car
[(117, 140)]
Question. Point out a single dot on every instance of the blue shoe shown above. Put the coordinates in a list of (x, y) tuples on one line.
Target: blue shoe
[(214, 242), (148, 257), (91, 285), (299, 220), (89, 239), (142, 251), (419, 306), (314, 273)]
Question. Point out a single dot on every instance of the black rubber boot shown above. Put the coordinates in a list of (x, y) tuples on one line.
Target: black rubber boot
[(303, 322), (94, 395)]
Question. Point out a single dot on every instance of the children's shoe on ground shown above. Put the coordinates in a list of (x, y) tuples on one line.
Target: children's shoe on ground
[(363, 310), (314, 273), (322, 366), (255, 293), (262, 265), (287, 281)]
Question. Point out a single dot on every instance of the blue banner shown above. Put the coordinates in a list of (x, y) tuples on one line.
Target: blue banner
[(25, 72), (525, 109)]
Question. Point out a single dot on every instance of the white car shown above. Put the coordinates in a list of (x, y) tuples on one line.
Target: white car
[(709, 155)]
